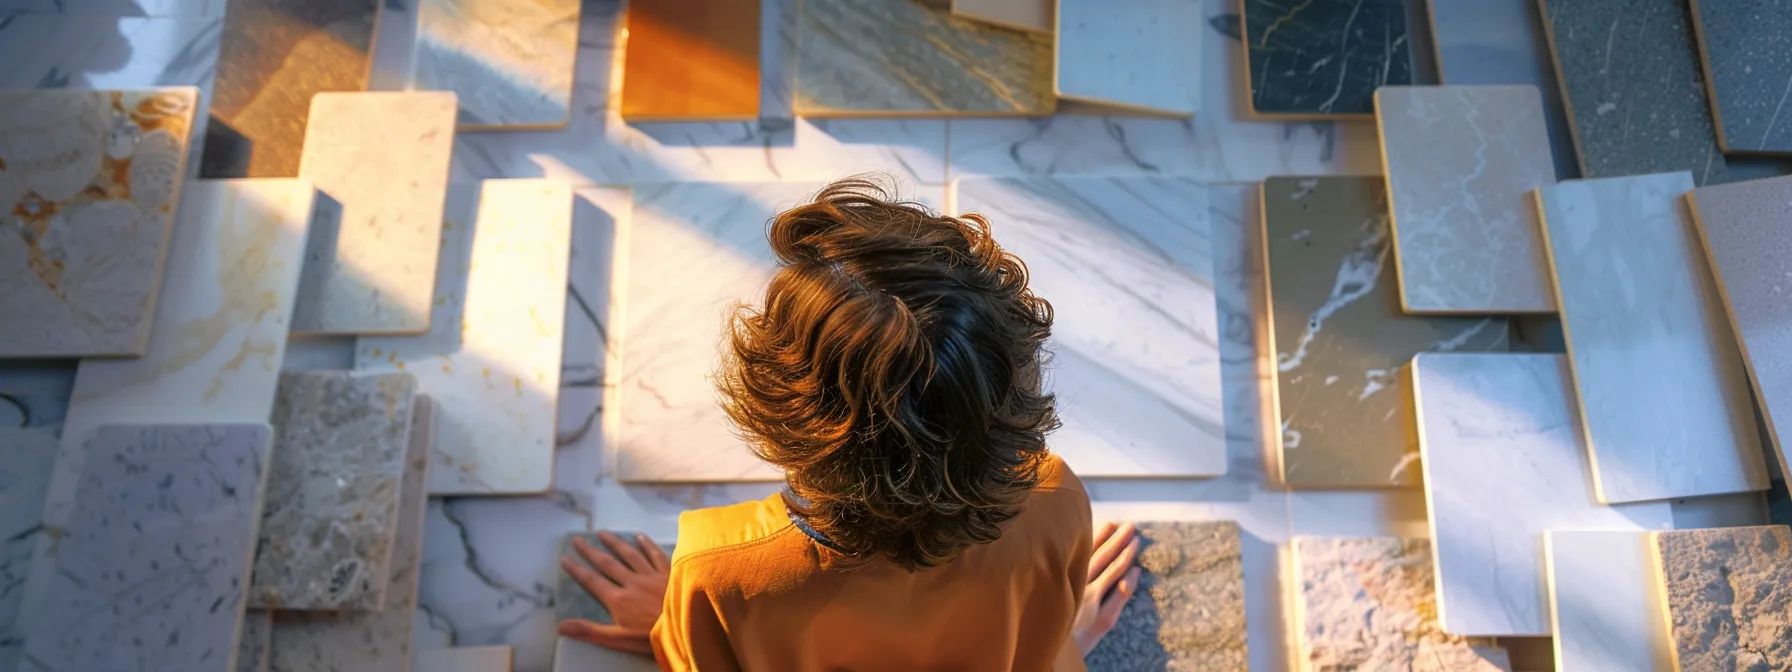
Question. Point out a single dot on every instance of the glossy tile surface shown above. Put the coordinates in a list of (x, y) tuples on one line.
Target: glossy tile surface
[(27, 456), (510, 64), (1461, 162), (1501, 42), (1728, 592), (1188, 612), (491, 359), (383, 158), (1747, 56), (1369, 604), (1504, 461), (1325, 58), (82, 264), (1604, 603), (692, 60), (1340, 339), (1134, 54), (1660, 380)]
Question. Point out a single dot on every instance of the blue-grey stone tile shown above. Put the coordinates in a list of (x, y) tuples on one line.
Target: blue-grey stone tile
[(1316, 58)]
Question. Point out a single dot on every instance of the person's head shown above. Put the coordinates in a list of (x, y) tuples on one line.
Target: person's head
[(893, 373)]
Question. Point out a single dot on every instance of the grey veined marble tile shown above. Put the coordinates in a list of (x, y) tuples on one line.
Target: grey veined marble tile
[(332, 504), (1340, 337), (1189, 610), (510, 63), (1461, 162), (1728, 593), (1501, 42), (1133, 54), (1324, 58), (154, 561), (27, 455), (1747, 53)]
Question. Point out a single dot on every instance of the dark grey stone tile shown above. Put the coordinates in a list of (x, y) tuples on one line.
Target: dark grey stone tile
[(1747, 53), (1188, 613), (1319, 58)]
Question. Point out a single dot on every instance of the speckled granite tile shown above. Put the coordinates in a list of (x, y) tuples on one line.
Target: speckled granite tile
[(1369, 604), (1325, 58), (904, 58), (1132, 54), (1636, 100), (1461, 162), (90, 184), (27, 456), (155, 557), (332, 503), (1501, 42), (510, 64), (1746, 49), (1604, 604), (571, 600), (1729, 594), (1339, 336), (370, 640), (1188, 613), (255, 641)]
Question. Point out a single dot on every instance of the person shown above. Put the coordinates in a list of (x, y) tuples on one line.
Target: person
[(894, 374)]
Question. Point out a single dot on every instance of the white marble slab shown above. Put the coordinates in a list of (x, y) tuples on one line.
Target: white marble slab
[(511, 64), (383, 158), (491, 359), (1141, 55), (1503, 455), (27, 454), (1604, 604), (1657, 370), (464, 659), (1127, 264)]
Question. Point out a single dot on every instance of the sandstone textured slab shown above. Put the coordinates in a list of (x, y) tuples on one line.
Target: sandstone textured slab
[(1747, 56), (1728, 593), (1604, 604), (332, 504), (383, 158), (1503, 456), (89, 185), (1323, 59), (1461, 162), (691, 60), (1369, 604), (509, 64), (1189, 611), (1028, 15), (1340, 337), (155, 557), (27, 456), (1502, 42), (464, 659), (1133, 54), (491, 359)]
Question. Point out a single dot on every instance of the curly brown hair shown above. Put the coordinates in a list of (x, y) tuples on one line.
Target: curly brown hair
[(893, 373)]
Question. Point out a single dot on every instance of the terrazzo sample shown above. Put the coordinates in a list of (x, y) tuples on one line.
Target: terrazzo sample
[(27, 456), (1604, 603), (370, 640), (491, 359), (254, 642), (89, 185), (464, 659), (332, 504), (1743, 228), (1743, 47), (1323, 59), (275, 56), (509, 64), (1502, 451), (383, 158), (910, 58), (1028, 15), (1461, 162), (1502, 42), (691, 60), (571, 600), (1644, 85), (1369, 604), (1340, 337), (1142, 55), (1189, 610), (155, 556), (1635, 286), (1728, 592), (1127, 264)]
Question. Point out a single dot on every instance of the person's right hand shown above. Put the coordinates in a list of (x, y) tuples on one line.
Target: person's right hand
[(1110, 568), (630, 581)]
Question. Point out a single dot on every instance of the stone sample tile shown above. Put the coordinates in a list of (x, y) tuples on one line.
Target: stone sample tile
[(691, 60), (1503, 456), (907, 58), (35, 395), (383, 158), (1461, 162), (571, 600), (1034, 16), (1779, 504), (1743, 48), (1634, 286), (1128, 266), (1340, 337), (1501, 42), (464, 659), (1604, 604), (1324, 59), (1645, 85), (668, 322), (332, 504), (27, 456), (88, 190), (491, 358), (1369, 604), (509, 64), (1189, 610), (255, 642), (155, 557), (370, 640), (150, 8), (276, 56), (571, 655), (1743, 229), (1728, 592), (1142, 55)]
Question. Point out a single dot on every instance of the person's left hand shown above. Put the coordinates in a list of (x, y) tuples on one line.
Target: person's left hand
[(630, 581)]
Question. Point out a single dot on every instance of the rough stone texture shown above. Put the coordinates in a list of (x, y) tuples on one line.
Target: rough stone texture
[(1747, 51), (255, 641), (571, 600), (1319, 59), (1189, 611), (1729, 597), (1370, 604), (332, 505)]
